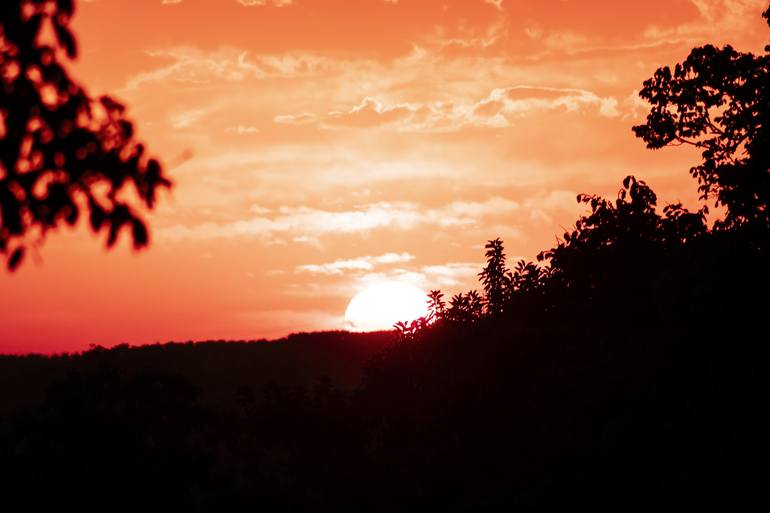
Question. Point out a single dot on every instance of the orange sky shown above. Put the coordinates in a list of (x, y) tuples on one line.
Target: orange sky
[(318, 146)]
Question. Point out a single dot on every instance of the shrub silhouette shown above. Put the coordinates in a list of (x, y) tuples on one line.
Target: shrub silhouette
[(61, 151), (436, 304)]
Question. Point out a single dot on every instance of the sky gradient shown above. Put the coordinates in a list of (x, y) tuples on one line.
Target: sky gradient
[(319, 146)]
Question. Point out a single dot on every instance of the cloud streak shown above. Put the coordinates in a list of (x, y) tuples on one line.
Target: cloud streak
[(499, 109), (364, 263), (313, 222), (191, 66)]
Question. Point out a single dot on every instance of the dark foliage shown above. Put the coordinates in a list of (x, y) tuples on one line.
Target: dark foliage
[(217, 368), (718, 100), (495, 277), (62, 153), (625, 371)]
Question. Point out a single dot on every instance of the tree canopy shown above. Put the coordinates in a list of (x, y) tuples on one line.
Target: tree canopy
[(718, 100), (62, 152)]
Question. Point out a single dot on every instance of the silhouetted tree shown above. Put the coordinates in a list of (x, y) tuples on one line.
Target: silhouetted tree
[(436, 304), (409, 331), (527, 277), (465, 308), (718, 100), (458, 310), (61, 151), (475, 305), (495, 277), (619, 235)]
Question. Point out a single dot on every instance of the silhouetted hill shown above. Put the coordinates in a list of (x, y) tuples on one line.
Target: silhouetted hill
[(217, 368)]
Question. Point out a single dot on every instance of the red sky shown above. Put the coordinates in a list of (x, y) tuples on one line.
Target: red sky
[(319, 146)]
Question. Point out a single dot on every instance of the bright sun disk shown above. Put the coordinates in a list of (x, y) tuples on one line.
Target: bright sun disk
[(380, 306)]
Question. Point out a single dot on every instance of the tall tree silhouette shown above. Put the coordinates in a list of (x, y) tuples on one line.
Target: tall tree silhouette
[(718, 100), (61, 151), (495, 277)]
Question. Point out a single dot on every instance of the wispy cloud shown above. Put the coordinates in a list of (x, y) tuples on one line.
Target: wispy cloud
[(191, 66), (313, 222), (295, 119), (364, 263), (242, 130), (451, 274), (499, 109)]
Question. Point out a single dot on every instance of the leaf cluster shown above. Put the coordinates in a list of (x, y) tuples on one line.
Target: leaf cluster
[(63, 154), (718, 100)]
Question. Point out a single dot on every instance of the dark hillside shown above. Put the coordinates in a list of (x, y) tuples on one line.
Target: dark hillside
[(216, 368)]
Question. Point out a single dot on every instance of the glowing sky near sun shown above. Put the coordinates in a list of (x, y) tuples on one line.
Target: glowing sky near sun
[(319, 146)]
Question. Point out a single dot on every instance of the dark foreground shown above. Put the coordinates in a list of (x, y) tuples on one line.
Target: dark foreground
[(650, 395)]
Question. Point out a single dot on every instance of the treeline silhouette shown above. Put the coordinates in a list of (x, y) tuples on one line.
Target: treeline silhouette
[(626, 370), (216, 367)]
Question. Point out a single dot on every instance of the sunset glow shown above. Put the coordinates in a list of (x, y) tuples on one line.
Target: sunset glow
[(380, 306), (319, 147)]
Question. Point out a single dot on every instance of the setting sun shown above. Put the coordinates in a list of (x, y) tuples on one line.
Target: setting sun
[(380, 306)]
